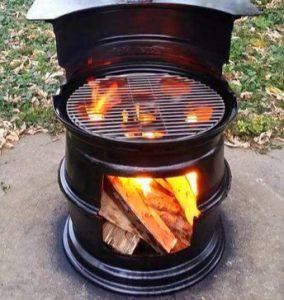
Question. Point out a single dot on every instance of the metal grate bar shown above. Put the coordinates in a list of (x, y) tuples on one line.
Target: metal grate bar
[(138, 106)]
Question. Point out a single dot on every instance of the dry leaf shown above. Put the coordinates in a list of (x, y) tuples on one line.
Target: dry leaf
[(275, 92), (264, 138), (8, 146), (246, 96), (234, 142), (35, 130)]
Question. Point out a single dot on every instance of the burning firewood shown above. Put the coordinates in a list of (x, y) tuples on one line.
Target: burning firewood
[(185, 196), (163, 200), (163, 183), (155, 202), (147, 220)]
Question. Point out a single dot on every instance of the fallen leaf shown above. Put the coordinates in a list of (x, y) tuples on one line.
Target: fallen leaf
[(234, 142), (35, 130), (246, 96), (275, 92), (8, 146), (264, 138)]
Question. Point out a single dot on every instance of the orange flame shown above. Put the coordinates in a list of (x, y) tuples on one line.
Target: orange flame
[(100, 102), (183, 188), (198, 115), (192, 177)]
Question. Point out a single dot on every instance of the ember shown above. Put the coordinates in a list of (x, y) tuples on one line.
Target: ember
[(199, 115), (174, 87)]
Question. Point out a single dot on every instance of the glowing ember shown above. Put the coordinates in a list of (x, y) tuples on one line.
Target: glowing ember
[(174, 87), (147, 135), (192, 118), (198, 115), (101, 102), (137, 109), (153, 135), (132, 134), (146, 118), (125, 116)]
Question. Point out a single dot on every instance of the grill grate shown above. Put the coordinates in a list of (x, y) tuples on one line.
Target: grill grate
[(145, 106)]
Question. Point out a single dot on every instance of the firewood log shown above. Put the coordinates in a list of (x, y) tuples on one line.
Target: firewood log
[(145, 218), (112, 213), (119, 239), (163, 183), (160, 200)]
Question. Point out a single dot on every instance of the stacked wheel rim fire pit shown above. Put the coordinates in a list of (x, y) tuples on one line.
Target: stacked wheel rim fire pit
[(144, 106)]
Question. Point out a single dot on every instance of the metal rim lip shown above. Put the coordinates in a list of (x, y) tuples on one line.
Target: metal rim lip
[(221, 86), (205, 207), (202, 265), (194, 99)]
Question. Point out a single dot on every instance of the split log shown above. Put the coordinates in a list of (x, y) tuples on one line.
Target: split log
[(165, 185), (185, 196), (119, 239), (161, 199), (112, 213), (150, 225)]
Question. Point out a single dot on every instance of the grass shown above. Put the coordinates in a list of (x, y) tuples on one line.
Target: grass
[(256, 75), (29, 75)]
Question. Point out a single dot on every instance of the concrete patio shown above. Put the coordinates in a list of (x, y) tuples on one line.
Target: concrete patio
[(33, 213)]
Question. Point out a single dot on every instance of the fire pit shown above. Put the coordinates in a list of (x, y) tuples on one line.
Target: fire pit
[(144, 107)]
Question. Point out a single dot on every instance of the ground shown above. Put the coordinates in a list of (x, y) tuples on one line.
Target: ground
[(33, 212), (30, 75)]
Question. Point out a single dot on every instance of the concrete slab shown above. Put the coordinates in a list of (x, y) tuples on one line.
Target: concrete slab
[(33, 213)]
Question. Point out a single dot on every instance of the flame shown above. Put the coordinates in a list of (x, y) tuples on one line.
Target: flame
[(202, 114), (183, 188), (144, 184), (185, 191), (192, 178), (100, 102)]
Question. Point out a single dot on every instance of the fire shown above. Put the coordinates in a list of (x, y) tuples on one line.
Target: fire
[(192, 177), (101, 102), (144, 183), (165, 209), (183, 188), (147, 135), (153, 135), (144, 117), (198, 115)]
